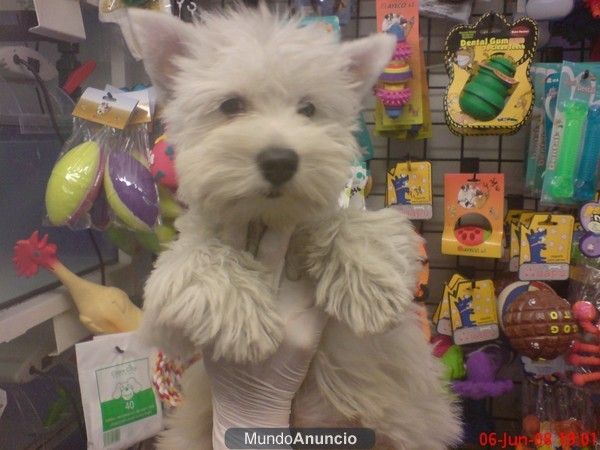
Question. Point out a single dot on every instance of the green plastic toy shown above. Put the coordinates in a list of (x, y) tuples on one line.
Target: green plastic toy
[(485, 94), (454, 362), (563, 180)]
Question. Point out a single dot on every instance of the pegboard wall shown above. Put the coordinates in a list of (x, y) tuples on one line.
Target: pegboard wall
[(450, 154)]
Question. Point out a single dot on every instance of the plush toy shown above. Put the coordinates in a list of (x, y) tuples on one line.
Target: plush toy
[(262, 121)]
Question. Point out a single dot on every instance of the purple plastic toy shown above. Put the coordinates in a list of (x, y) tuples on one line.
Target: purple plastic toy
[(482, 366)]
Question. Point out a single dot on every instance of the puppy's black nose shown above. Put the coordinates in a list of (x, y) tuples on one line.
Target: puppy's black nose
[(277, 165)]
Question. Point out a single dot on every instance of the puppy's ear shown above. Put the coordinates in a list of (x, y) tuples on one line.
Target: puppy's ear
[(160, 38), (368, 57)]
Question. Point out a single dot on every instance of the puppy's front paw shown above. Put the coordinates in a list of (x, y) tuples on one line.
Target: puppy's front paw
[(211, 295), (252, 329), (366, 266)]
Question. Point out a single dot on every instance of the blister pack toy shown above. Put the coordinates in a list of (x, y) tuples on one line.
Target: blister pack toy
[(473, 215), (570, 177), (490, 91), (537, 148), (399, 90)]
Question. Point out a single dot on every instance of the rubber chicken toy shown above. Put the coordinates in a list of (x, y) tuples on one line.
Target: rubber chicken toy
[(102, 309)]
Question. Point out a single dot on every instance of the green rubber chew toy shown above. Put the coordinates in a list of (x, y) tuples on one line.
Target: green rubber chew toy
[(74, 184), (484, 95), (563, 181)]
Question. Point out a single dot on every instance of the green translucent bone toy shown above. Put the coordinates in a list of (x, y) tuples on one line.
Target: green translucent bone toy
[(563, 182)]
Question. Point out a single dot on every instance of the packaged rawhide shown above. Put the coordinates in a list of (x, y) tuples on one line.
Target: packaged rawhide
[(490, 90)]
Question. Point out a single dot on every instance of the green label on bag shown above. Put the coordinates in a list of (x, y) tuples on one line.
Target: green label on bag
[(119, 412), (125, 393)]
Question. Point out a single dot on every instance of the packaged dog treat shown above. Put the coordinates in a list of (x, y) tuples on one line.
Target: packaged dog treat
[(490, 91), (473, 215)]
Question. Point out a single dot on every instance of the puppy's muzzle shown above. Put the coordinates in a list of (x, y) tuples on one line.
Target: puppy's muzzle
[(277, 165)]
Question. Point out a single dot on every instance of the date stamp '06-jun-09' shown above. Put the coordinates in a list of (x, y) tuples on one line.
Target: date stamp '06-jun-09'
[(565, 440)]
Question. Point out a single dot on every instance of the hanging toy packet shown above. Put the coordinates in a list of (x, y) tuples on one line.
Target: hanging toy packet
[(119, 403), (545, 252), (574, 152), (399, 91), (524, 218), (473, 312), (589, 236), (441, 316), (536, 153), (409, 189), (473, 214), (490, 91), (75, 182)]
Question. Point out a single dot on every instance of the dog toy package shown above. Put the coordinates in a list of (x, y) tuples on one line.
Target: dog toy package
[(467, 311), (490, 91), (264, 144), (441, 316), (409, 189), (573, 155), (76, 179), (103, 179), (523, 218), (398, 93), (473, 215), (536, 152), (545, 252), (473, 312)]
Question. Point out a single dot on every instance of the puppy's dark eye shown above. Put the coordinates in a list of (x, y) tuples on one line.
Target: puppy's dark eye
[(233, 106), (308, 110)]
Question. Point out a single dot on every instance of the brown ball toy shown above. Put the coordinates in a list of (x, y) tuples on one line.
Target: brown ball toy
[(540, 325)]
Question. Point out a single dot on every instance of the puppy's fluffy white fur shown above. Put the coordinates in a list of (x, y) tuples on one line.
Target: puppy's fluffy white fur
[(373, 366)]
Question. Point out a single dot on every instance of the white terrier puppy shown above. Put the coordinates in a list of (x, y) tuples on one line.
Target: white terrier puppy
[(262, 113)]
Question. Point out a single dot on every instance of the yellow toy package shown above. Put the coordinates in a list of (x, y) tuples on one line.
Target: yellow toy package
[(546, 247), (524, 218), (441, 316), (409, 189), (473, 214), (473, 312), (490, 90), (511, 215)]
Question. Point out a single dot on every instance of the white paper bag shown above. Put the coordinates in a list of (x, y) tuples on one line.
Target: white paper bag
[(120, 405)]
